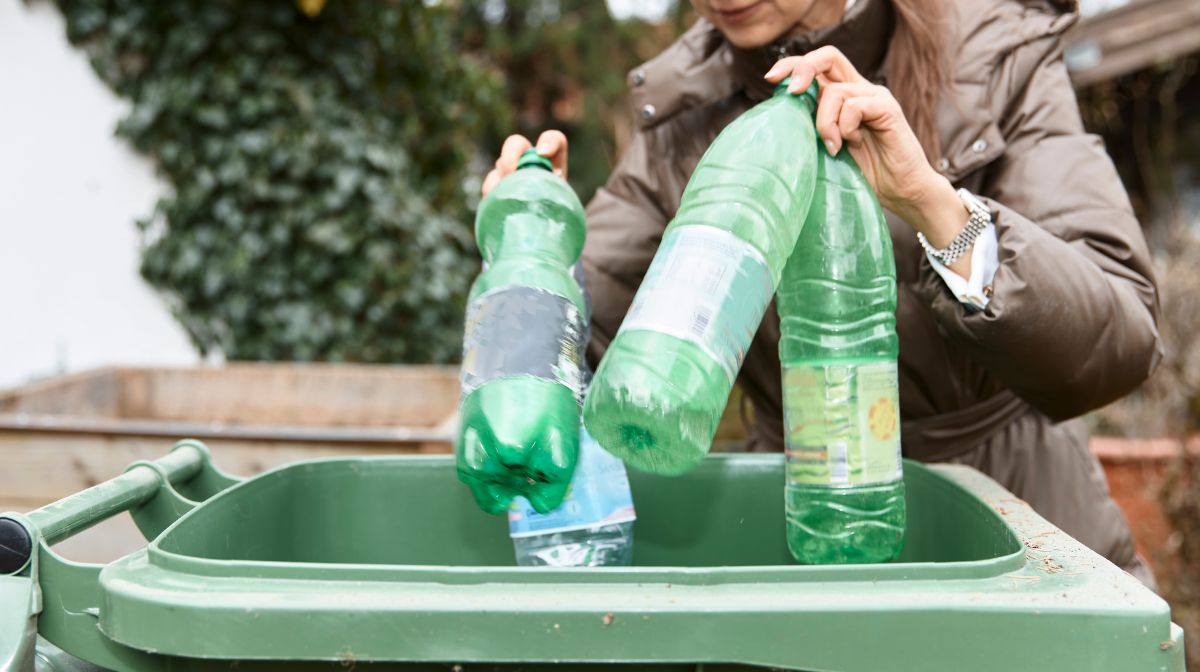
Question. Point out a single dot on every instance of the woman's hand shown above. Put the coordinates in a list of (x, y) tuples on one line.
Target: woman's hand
[(551, 144), (867, 120)]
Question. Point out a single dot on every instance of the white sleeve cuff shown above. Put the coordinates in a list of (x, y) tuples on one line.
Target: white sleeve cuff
[(985, 259)]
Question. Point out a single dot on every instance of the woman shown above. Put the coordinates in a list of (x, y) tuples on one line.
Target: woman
[(1025, 301)]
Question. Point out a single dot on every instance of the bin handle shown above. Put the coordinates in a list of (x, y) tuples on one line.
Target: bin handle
[(76, 513)]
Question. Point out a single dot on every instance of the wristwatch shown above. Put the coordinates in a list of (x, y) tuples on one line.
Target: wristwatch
[(980, 218)]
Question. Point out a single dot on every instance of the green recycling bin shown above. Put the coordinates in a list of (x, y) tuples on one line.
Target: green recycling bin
[(386, 563)]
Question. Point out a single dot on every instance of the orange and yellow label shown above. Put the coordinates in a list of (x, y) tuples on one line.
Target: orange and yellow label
[(842, 423)]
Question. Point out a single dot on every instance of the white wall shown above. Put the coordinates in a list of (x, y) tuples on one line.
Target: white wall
[(70, 294)]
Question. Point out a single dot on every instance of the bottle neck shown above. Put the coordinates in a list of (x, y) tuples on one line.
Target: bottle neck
[(808, 96)]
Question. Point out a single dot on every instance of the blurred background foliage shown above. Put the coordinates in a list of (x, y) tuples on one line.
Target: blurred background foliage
[(564, 65), (323, 159), (315, 208), (1150, 122)]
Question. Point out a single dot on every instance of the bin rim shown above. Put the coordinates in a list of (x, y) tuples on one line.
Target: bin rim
[(218, 569)]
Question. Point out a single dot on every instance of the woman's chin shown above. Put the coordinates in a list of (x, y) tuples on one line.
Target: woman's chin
[(752, 36)]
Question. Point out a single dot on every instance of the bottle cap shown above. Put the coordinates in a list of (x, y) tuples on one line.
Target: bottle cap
[(531, 159)]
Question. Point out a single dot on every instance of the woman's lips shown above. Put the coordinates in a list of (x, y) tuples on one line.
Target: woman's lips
[(739, 14)]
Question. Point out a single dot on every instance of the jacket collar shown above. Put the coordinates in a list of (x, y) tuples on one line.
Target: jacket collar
[(702, 68)]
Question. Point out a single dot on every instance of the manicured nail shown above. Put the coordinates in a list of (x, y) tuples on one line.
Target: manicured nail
[(543, 149), (829, 147)]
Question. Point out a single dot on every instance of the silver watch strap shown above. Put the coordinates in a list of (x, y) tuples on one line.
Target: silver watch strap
[(980, 218)]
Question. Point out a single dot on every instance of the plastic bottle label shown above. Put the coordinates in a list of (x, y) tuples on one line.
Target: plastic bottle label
[(706, 286), (598, 495), (521, 331), (842, 423)]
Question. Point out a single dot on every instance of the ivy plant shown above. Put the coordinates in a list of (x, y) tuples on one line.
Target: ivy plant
[(317, 168)]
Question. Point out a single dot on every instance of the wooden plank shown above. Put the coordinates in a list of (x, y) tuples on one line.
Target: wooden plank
[(90, 392), (132, 393), (388, 405), (251, 393), (403, 438), (1132, 37), (297, 394), (52, 466)]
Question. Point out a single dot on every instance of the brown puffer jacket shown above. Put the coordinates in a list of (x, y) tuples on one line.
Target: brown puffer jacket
[(1071, 324)]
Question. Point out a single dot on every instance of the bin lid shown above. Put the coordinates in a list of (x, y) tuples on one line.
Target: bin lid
[(387, 559)]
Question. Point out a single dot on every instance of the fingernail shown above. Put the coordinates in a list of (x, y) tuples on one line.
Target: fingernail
[(543, 149), (829, 147), (558, 172)]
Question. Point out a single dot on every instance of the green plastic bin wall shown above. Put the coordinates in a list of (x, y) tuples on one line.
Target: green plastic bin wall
[(388, 561)]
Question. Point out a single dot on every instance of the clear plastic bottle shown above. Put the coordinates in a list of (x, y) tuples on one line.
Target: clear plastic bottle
[(594, 525), (838, 349), (526, 323), (664, 382)]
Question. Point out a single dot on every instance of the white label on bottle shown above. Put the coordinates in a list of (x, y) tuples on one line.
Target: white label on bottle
[(706, 286)]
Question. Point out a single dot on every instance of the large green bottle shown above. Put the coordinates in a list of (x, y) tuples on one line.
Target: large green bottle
[(838, 349), (661, 387), (519, 415)]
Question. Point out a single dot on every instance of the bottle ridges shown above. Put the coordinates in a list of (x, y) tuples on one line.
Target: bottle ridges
[(661, 387)]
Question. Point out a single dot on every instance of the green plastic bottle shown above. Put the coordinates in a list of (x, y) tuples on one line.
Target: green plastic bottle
[(661, 388), (526, 321), (838, 348)]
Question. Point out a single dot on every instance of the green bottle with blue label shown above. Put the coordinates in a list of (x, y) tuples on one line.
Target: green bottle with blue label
[(838, 348), (664, 382), (523, 340)]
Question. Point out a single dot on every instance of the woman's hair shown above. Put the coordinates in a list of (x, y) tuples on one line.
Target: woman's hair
[(918, 66)]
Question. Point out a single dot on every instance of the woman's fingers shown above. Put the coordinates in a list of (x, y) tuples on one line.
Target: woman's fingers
[(832, 63), (552, 144), (510, 152), (827, 61), (512, 149), (876, 112), (829, 109), (490, 181)]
